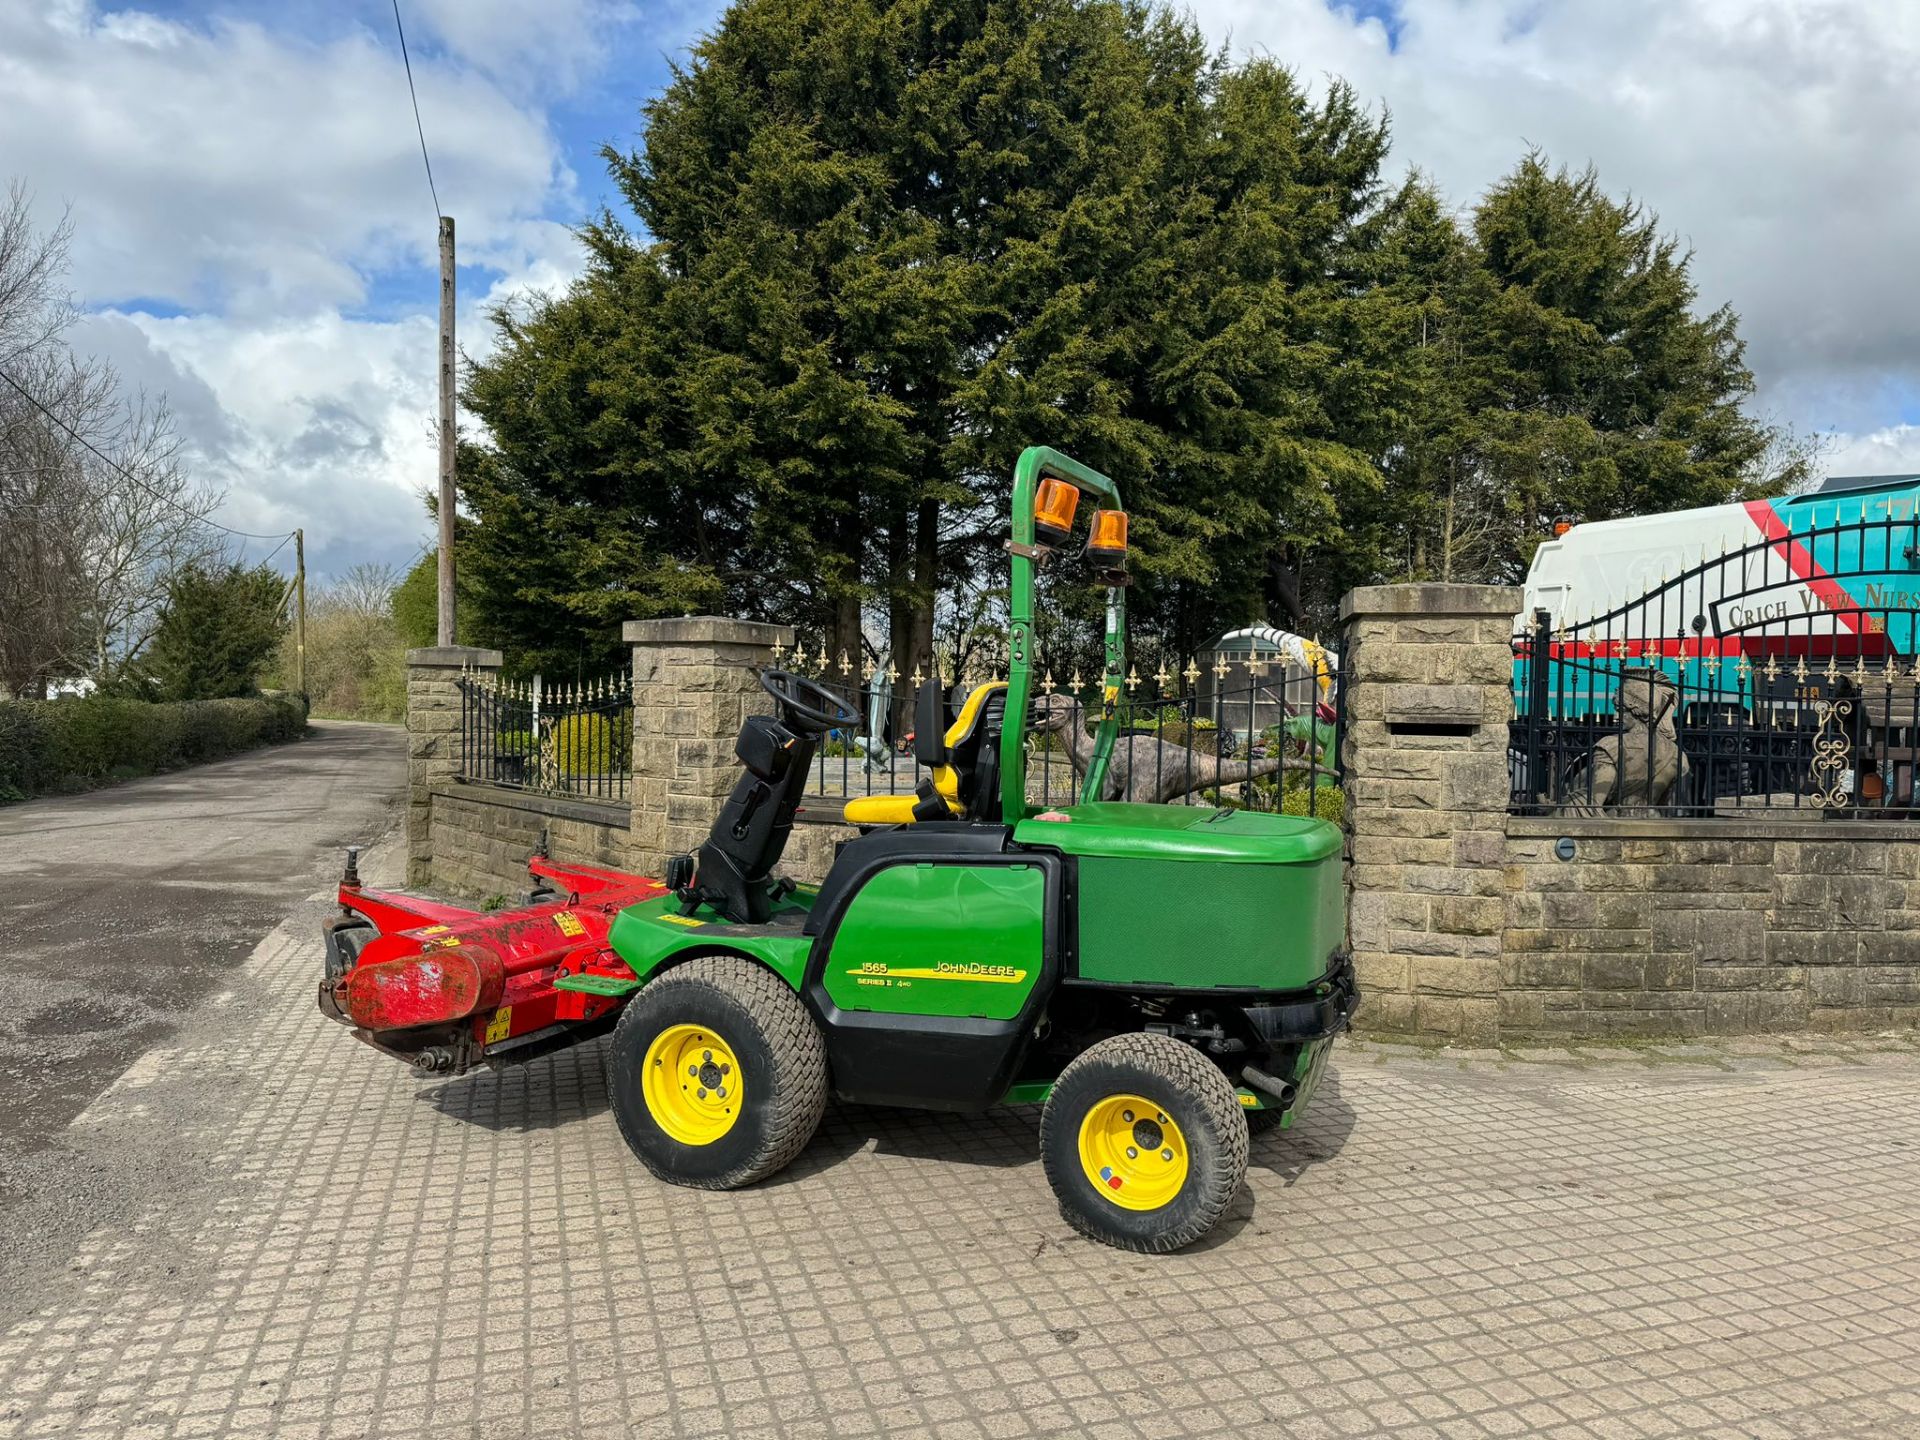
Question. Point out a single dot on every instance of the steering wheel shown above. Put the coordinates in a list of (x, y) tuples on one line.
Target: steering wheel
[(813, 705)]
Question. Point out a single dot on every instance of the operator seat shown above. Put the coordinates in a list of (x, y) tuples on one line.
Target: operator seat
[(733, 869), (964, 756)]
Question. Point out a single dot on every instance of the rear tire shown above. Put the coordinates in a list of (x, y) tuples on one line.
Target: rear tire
[(1144, 1143), (673, 1040)]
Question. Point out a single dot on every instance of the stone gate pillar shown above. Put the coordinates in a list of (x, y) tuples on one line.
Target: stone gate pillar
[(433, 739), (694, 681), (1428, 676)]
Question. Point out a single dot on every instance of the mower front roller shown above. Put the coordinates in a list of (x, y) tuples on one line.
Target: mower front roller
[(1144, 1143), (717, 1074)]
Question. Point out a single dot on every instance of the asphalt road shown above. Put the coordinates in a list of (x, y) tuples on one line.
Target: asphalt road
[(121, 912)]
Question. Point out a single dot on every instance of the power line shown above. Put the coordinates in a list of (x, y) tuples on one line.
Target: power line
[(418, 127), (268, 557), (127, 474)]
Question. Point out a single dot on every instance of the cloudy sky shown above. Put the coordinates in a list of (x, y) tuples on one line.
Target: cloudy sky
[(254, 234)]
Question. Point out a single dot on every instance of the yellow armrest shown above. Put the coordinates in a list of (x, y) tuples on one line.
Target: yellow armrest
[(898, 809), (881, 810)]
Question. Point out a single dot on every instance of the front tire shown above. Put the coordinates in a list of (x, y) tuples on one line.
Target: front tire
[(717, 1074), (1144, 1143)]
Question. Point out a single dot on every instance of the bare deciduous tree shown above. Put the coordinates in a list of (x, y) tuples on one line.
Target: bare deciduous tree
[(96, 509)]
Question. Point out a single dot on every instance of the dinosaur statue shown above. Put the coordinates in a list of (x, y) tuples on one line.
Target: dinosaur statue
[(1640, 766), (1142, 768)]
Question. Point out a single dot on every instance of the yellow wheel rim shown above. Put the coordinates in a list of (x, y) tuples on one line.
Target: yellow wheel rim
[(692, 1084), (1133, 1153)]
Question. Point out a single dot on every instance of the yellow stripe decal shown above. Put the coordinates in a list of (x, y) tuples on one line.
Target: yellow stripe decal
[(983, 974)]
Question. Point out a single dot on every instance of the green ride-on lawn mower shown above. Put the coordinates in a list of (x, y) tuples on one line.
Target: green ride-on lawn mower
[(1162, 978)]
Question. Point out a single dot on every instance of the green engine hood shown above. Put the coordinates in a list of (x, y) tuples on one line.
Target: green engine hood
[(1121, 830)]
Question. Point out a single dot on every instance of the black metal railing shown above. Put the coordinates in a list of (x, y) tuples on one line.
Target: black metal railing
[(1261, 733), (572, 739), (1780, 677)]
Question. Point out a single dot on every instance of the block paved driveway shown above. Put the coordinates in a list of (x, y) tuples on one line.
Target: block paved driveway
[(1640, 1244)]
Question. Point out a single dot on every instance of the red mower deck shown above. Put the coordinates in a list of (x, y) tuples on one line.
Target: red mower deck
[(445, 988)]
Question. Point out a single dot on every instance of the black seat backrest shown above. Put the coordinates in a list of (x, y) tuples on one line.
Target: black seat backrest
[(930, 723), (735, 865)]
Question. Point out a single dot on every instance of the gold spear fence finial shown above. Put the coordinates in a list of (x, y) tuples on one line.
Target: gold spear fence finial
[(1192, 673)]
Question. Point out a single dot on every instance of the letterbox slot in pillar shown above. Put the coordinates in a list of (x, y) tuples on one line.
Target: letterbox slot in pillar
[(1433, 729)]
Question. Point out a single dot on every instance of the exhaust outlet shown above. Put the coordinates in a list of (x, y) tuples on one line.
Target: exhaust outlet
[(1281, 1091)]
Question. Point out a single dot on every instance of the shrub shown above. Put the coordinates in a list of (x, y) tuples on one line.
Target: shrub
[(591, 744), (1327, 802), (72, 743)]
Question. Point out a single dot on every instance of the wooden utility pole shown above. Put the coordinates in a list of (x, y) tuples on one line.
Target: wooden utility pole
[(446, 505), (300, 611)]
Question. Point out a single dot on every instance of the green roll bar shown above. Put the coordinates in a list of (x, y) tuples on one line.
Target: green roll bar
[(1035, 462)]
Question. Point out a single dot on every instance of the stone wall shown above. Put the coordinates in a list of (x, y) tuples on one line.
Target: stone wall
[(1681, 927), (482, 835), (1467, 924), (1427, 672), (817, 834), (694, 681), (433, 740)]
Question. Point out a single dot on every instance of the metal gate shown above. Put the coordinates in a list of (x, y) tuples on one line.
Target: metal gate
[(1781, 676)]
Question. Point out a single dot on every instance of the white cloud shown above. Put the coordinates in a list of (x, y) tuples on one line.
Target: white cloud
[(319, 420), (1773, 135), (270, 186), (260, 182), (233, 168), (1892, 450), (323, 422), (546, 48)]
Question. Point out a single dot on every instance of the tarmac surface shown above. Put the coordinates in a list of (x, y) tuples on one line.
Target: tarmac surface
[(125, 910)]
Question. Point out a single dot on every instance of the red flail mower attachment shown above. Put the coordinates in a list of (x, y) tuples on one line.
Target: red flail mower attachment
[(444, 988)]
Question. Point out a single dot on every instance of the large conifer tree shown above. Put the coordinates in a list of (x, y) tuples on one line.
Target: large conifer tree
[(886, 244)]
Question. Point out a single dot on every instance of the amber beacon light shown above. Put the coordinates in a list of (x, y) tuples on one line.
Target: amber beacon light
[(1107, 541), (1053, 508)]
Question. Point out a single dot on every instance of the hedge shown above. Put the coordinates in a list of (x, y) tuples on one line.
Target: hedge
[(70, 744)]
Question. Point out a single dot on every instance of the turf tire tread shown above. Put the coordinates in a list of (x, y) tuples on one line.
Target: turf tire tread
[(799, 1061), (1203, 1084)]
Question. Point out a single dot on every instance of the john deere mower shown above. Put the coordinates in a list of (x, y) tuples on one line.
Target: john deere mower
[(1161, 979)]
